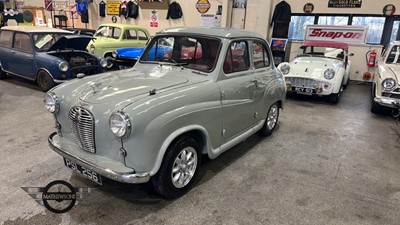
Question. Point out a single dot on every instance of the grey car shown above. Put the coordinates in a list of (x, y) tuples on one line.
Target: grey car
[(215, 88)]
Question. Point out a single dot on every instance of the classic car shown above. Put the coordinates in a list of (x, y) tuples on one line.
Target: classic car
[(110, 37), (385, 85), (155, 120), (46, 55), (320, 68)]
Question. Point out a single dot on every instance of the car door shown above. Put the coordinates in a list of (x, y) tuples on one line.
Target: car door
[(237, 84), (22, 61), (6, 38), (134, 38)]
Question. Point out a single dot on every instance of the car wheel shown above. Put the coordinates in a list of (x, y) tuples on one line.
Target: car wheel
[(334, 97), (179, 168), (45, 81), (271, 121), (110, 62), (375, 107), (2, 74)]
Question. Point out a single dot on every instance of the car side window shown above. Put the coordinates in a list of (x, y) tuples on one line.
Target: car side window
[(130, 35), (260, 55), (22, 42), (237, 57), (6, 38), (142, 35)]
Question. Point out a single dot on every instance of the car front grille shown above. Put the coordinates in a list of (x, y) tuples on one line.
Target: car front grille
[(87, 70), (303, 82), (82, 125)]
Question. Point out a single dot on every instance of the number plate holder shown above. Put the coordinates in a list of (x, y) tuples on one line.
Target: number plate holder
[(83, 171), (304, 91)]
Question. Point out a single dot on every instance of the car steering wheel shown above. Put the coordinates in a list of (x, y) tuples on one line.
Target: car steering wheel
[(167, 59)]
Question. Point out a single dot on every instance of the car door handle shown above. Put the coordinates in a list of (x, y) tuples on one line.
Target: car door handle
[(12, 52)]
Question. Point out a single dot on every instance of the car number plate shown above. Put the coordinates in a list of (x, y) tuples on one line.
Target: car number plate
[(91, 175), (304, 91)]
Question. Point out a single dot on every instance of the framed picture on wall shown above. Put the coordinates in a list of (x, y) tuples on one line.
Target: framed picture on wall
[(153, 4)]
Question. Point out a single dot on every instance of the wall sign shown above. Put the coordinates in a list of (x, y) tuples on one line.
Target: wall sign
[(389, 10), (347, 34), (114, 19), (308, 8), (344, 3), (113, 7), (203, 6), (153, 18)]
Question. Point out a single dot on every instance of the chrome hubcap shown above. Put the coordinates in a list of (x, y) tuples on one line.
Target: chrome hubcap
[(272, 117), (184, 167)]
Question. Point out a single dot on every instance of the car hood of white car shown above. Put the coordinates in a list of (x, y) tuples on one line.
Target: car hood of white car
[(312, 67)]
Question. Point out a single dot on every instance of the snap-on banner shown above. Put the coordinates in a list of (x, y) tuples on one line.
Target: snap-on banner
[(347, 34)]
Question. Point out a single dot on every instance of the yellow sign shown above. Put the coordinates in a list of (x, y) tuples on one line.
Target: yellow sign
[(113, 7)]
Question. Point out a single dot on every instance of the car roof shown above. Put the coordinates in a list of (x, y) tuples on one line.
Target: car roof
[(213, 31), (122, 26), (34, 29), (330, 44)]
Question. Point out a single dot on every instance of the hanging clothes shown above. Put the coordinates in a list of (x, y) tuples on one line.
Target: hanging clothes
[(102, 9), (174, 11), (1, 7), (123, 9), (85, 16), (133, 10), (282, 12)]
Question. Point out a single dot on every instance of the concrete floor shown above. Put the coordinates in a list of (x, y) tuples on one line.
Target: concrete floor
[(325, 164)]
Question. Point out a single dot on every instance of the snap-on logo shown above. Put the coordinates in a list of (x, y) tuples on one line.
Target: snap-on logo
[(335, 34)]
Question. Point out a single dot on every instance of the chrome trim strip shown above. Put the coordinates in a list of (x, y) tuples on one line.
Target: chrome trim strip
[(19, 75), (131, 178)]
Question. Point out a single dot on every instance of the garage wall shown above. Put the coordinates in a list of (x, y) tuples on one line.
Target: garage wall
[(368, 7)]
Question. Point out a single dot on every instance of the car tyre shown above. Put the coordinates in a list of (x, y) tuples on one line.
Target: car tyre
[(271, 121), (178, 169), (375, 107), (45, 81), (3, 74), (334, 97)]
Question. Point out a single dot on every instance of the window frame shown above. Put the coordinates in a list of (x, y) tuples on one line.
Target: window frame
[(266, 50), (29, 39), (11, 41)]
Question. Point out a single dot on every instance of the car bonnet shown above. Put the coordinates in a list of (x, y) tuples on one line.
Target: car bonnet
[(76, 42)]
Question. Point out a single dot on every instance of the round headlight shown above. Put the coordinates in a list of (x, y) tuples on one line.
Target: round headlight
[(51, 102), (63, 66), (114, 54), (284, 68), (120, 124), (329, 73), (92, 48), (103, 62), (388, 84)]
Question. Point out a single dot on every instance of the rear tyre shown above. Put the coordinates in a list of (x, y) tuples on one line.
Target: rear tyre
[(178, 169), (271, 121), (3, 74), (45, 81), (334, 98)]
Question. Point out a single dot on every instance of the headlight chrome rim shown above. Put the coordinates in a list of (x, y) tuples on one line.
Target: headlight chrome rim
[(120, 124), (103, 62), (63, 66), (389, 84), (114, 54), (329, 74), (51, 102), (284, 68)]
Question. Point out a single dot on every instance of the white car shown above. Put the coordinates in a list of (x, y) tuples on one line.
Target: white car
[(385, 86), (320, 68)]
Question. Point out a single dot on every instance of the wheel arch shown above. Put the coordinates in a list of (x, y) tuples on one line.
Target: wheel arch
[(198, 132), (45, 70)]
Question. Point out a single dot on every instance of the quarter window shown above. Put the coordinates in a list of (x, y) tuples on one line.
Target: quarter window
[(130, 35), (142, 35), (260, 55), (237, 57), (22, 42), (6, 38)]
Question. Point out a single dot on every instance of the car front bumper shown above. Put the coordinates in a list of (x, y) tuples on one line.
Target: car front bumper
[(385, 101), (106, 167)]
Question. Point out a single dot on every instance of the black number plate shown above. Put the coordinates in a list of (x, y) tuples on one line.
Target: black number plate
[(91, 175)]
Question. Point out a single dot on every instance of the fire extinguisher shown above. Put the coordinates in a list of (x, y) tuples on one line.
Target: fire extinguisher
[(371, 58)]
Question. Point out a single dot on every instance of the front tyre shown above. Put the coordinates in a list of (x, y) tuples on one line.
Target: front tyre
[(179, 168), (271, 121), (3, 74), (334, 98), (45, 81)]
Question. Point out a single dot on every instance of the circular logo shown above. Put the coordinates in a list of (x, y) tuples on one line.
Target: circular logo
[(203, 6), (59, 196), (389, 10), (28, 16), (114, 19), (308, 8)]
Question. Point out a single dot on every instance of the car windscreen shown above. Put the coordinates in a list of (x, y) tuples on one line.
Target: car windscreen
[(44, 41), (109, 32), (393, 55), (193, 52), (321, 52)]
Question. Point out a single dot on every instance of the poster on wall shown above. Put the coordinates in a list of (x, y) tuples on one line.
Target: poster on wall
[(19, 4), (153, 4), (60, 5), (344, 3), (239, 3), (153, 18), (113, 7), (207, 20)]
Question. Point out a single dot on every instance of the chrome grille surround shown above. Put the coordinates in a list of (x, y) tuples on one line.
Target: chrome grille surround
[(303, 82), (81, 122)]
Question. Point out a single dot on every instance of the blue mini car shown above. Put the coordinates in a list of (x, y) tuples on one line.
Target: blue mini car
[(46, 55), (127, 57)]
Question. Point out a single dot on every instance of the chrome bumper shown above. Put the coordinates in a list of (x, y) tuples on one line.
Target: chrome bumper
[(128, 176), (385, 101)]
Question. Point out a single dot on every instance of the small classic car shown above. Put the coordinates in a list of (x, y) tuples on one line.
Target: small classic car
[(385, 85), (155, 120), (46, 55), (320, 68), (110, 37)]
